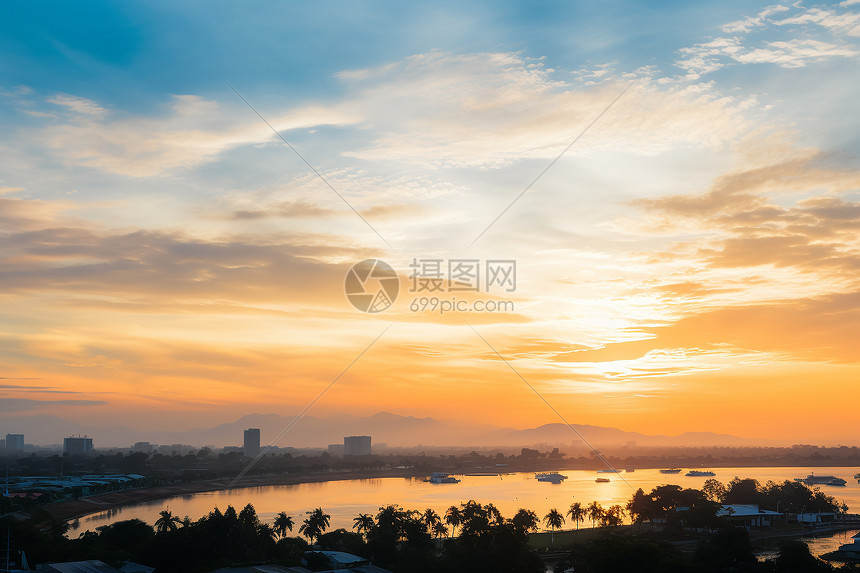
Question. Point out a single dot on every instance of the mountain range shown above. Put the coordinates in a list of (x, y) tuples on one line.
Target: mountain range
[(384, 427)]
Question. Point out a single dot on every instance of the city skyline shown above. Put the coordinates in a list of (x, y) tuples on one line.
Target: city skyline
[(689, 264)]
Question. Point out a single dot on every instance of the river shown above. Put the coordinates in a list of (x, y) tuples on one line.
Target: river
[(344, 500)]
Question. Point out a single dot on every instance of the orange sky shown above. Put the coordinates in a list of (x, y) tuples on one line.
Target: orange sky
[(692, 263)]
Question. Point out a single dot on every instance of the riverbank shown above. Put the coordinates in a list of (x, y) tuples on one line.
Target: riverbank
[(76, 508)]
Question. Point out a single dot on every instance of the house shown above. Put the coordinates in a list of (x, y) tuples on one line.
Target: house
[(809, 518), (749, 516)]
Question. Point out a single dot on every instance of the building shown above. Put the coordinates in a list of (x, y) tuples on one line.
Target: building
[(356, 446), (93, 566), (15, 443), (748, 515), (77, 446), (251, 447)]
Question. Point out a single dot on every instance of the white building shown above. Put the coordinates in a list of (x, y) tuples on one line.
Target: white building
[(748, 515)]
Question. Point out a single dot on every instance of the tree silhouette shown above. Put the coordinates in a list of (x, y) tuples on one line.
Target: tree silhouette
[(363, 524), (166, 522), (554, 519), (453, 517), (576, 513), (595, 512), (525, 521), (315, 524), (283, 522), (430, 518)]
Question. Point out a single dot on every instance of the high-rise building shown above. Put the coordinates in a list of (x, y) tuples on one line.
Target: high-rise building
[(356, 446), (252, 442), (77, 445), (14, 443)]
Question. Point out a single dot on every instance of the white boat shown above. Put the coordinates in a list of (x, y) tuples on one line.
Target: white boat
[(609, 471), (813, 479), (438, 477), (671, 471), (551, 477), (699, 473)]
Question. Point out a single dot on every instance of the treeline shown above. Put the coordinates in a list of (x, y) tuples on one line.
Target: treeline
[(469, 537), (205, 464), (397, 539)]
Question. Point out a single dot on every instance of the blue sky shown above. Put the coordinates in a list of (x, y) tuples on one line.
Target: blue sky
[(139, 195)]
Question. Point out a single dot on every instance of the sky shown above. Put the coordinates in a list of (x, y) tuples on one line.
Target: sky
[(677, 183)]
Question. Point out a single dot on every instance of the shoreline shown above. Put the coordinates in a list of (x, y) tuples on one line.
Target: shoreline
[(71, 509)]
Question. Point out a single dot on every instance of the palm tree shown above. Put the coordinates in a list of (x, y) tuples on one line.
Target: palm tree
[(494, 514), (576, 513), (166, 522), (553, 519), (430, 518), (283, 522), (595, 512), (453, 517), (315, 525), (439, 529), (363, 524)]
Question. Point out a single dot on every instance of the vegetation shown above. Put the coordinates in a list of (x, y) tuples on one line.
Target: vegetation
[(482, 539)]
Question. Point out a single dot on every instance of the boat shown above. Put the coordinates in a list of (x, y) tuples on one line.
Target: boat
[(630, 470), (613, 471), (850, 550), (602, 480), (857, 475), (439, 477), (699, 473), (551, 477), (671, 471), (813, 479)]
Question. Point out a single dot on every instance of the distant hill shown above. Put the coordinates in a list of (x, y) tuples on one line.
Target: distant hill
[(384, 427)]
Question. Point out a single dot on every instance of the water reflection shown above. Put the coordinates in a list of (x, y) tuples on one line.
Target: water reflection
[(343, 500)]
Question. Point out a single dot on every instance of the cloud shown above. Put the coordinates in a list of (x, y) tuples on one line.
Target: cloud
[(796, 48), (750, 22), (191, 132), (483, 110), (489, 110), (26, 404), (78, 105)]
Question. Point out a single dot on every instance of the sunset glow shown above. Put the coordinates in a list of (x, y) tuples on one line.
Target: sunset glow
[(691, 264)]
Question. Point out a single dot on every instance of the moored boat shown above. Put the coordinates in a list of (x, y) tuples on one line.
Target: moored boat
[(671, 471), (551, 477), (813, 479), (439, 477), (612, 471), (699, 473), (602, 480)]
